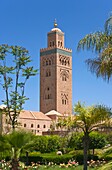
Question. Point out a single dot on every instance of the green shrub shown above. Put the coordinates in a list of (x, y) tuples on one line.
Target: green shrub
[(57, 159), (108, 151), (107, 155), (52, 157), (5, 155), (79, 158), (46, 144), (35, 159), (46, 158)]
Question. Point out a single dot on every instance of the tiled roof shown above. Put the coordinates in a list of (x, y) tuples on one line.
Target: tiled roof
[(26, 114)]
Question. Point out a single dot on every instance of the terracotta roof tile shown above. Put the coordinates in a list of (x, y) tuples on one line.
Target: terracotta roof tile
[(33, 115)]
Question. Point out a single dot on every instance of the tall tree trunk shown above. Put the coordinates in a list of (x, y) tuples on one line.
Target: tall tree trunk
[(15, 160), (93, 151), (15, 164), (27, 159), (86, 146)]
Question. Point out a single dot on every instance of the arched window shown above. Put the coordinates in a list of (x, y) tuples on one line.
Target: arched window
[(61, 44), (62, 62), (49, 62), (25, 125), (58, 43), (38, 126), (53, 43), (62, 101), (44, 126), (46, 63), (64, 78), (50, 44), (48, 73), (31, 125)]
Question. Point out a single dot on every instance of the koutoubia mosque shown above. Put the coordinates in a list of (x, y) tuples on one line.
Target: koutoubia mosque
[(55, 87), (56, 74)]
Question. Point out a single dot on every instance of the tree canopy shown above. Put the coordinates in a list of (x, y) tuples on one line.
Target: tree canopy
[(89, 119), (99, 42), (14, 73)]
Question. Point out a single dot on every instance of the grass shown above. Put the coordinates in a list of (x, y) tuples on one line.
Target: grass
[(107, 166), (59, 168)]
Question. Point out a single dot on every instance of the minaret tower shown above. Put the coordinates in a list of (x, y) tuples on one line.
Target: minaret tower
[(56, 74)]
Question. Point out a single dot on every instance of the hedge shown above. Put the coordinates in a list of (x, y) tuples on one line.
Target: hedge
[(45, 159)]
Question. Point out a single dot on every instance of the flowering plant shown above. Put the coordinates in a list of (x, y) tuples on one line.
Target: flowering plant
[(97, 163)]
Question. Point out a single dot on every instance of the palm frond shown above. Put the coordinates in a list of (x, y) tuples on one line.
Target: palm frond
[(101, 66), (108, 26), (95, 42)]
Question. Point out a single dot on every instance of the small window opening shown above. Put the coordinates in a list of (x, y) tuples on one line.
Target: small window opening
[(44, 126), (31, 125)]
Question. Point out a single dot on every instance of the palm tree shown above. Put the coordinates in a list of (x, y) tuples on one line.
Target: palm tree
[(100, 43), (89, 119), (17, 141), (4, 147)]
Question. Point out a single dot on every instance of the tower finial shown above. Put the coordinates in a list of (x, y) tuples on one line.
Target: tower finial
[(55, 24)]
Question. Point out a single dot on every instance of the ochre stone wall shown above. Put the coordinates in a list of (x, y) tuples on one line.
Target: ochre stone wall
[(56, 75)]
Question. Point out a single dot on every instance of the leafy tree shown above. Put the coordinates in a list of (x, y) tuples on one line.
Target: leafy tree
[(64, 123), (53, 143), (88, 119), (97, 141), (14, 73), (41, 143), (75, 140), (109, 137), (64, 144), (99, 42), (46, 144)]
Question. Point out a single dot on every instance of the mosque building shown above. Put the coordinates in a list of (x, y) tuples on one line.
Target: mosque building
[(55, 86)]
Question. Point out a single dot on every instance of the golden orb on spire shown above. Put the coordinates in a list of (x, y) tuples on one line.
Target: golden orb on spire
[(55, 24)]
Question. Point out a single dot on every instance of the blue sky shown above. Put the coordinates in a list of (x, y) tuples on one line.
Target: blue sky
[(27, 22)]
